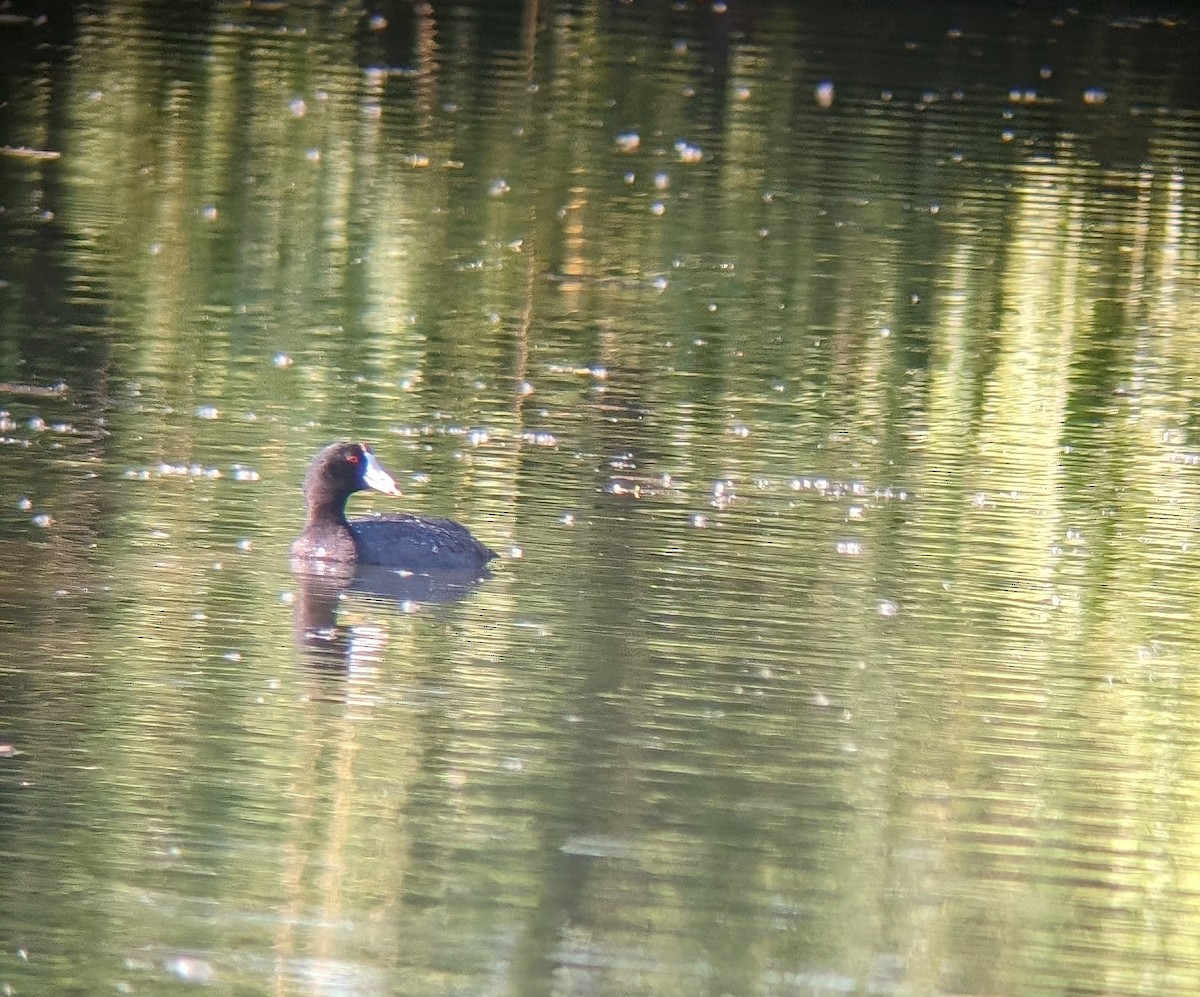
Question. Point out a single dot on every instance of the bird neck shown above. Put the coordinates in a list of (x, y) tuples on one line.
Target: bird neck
[(326, 511)]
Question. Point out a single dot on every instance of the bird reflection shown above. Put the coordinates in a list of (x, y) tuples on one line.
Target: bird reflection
[(320, 588)]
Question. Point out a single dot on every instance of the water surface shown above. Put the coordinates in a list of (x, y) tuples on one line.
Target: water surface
[(826, 382)]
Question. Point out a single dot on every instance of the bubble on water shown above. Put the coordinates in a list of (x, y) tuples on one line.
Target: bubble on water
[(477, 437), (209, 212), (245, 544), (42, 520), (298, 107), (886, 608), (851, 548), (240, 473), (207, 412), (824, 93), (1095, 95), (36, 423), (657, 208), (699, 521), (628, 141), (688, 153), (499, 187), (24, 504)]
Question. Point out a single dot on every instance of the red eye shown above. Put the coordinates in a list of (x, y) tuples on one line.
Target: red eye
[(353, 458)]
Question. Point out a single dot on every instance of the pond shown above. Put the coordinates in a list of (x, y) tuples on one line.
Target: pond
[(826, 380)]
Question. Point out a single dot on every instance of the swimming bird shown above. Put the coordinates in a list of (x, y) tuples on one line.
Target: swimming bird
[(413, 543)]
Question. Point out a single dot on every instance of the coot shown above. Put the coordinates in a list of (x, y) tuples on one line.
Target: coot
[(414, 543)]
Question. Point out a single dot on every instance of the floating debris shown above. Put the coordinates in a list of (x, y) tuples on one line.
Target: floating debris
[(31, 155), (56, 390)]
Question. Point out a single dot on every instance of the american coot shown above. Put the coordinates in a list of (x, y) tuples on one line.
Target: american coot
[(394, 541)]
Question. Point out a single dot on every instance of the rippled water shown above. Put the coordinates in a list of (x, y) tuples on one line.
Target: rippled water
[(825, 380)]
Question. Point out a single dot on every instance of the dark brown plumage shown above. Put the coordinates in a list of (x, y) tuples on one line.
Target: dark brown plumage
[(414, 543)]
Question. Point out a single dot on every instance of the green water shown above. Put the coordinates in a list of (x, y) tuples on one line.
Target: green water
[(825, 379)]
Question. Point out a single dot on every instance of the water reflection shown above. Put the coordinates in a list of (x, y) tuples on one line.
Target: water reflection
[(832, 369), (319, 594)]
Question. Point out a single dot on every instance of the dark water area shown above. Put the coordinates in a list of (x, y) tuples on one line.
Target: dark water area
[(825, 378)]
